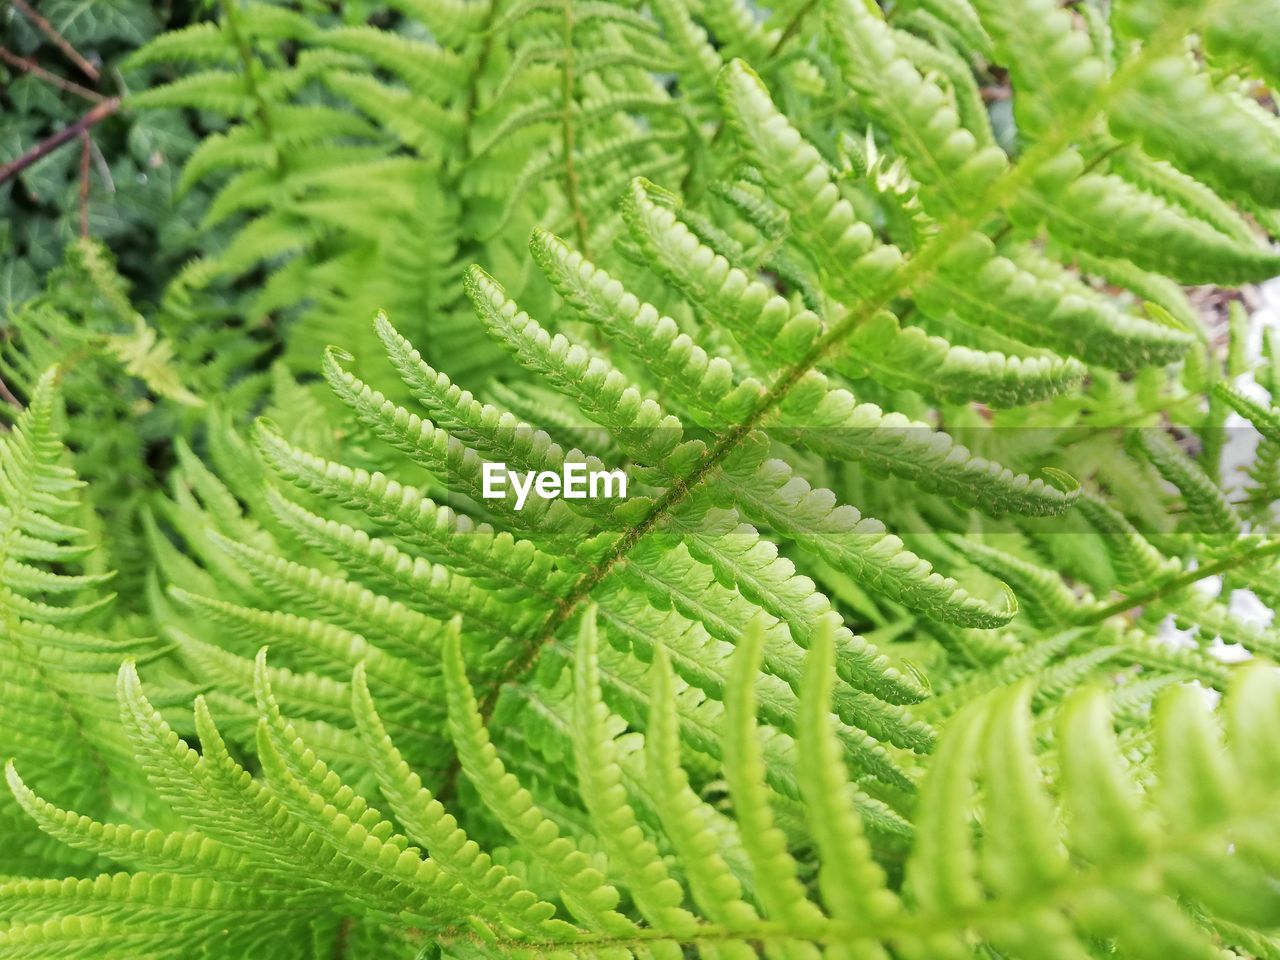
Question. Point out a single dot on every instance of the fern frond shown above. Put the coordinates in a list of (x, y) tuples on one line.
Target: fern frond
[(882, 348), (1207, 505), (1264, 419), (584, 888), (1177, 114), (947, 159), (1107, 215), (928, 260), (774, 869), (852, 883)]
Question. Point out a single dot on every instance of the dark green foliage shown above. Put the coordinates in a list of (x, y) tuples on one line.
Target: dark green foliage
[(132, 201)]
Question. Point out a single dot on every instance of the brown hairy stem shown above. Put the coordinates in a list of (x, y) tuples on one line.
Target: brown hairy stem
[(58, 40), (48, 145), (62, 83), (84, 184), (8, 397)]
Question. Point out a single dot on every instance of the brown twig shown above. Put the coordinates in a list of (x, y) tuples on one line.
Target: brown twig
[(7, 395), (84, 184), (61, 42), (48, 145), (62, 83)]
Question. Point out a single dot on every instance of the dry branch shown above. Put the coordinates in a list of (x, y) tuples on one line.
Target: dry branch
[(47, 146), (58, 40)]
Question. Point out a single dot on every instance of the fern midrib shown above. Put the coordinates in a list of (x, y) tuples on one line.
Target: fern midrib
[(1183, 580), (568, 102), (909, 272), (248, 62)]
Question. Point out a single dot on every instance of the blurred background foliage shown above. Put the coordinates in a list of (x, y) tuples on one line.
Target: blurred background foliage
[(112, 185), (61, 60)]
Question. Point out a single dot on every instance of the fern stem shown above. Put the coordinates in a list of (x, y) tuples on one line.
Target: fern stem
[(1184, 580), (472, 105), (567, 84), (792, 28), (470, 247), (343, 938), (674, 495), (247, 60)]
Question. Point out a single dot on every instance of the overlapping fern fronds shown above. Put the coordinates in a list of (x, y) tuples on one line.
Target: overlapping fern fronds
[(56, 712), (365, 167), (872, 659), (131, 385), (273, 865)]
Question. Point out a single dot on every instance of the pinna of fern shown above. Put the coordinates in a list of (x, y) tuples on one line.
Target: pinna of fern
[(129, 386)]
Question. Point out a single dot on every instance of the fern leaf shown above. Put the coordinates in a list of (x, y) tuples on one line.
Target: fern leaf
[(426, 821), (1177, 114), (946, 158), (1036, 301), (775, 871), (852, 884), (476, 549), (685, 817), (426, 586), (881, 348), (1095, 779), (797, 176), (1052, 61), (657, 895), (1106, 215), (584, 887), (1266, 420), (1208, 506), (157, 850)]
